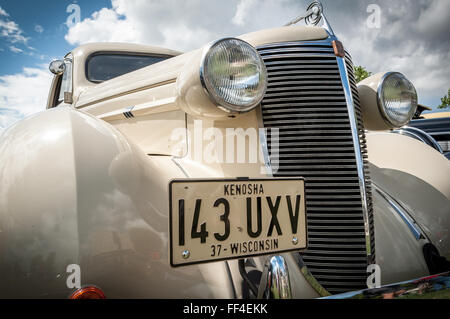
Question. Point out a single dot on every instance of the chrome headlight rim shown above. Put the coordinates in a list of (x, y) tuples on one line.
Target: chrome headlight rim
[(217, 100), (381, 106)]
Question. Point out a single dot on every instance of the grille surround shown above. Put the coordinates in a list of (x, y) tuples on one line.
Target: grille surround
[(313, 100)]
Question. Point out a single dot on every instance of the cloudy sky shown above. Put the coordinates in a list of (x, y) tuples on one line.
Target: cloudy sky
[(412, 36)]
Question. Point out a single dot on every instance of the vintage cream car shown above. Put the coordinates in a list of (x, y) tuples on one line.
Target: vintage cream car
[(253, 167)]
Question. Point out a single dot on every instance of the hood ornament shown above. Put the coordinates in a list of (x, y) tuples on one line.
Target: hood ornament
[(314, 14)]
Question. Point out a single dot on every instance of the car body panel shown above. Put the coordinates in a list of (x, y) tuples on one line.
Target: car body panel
[(99, 203), (398, 152)]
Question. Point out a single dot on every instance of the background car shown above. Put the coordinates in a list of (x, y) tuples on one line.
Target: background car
[(437, 125)]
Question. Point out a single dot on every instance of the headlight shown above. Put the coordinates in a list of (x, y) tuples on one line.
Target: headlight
[(397, 99), (234, 75)]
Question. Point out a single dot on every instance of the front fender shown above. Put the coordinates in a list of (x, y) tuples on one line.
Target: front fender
[(75, 191)]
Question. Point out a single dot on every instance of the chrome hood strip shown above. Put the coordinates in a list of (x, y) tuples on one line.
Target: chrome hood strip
[(356, 142), (401, 211)]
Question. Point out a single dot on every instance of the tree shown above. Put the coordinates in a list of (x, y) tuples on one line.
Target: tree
[(445, 101), (361, 73)]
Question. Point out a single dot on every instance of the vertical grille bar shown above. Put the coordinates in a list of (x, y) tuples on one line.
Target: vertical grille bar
[(306, 101)]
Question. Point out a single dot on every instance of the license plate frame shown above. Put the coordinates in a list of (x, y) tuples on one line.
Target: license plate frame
[(190, 187)]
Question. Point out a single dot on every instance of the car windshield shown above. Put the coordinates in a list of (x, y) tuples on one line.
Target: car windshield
[(106, 66)]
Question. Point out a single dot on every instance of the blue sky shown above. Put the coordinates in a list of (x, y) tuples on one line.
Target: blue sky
[(412, 37), (51, 15)]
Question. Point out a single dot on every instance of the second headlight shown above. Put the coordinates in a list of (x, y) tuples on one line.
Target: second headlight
[(397, 99), (234, 75)]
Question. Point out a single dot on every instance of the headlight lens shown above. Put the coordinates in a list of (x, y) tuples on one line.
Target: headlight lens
[(234, 75), (397, 99)]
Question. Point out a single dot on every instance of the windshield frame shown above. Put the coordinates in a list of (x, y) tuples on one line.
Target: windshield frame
[(129, 53)]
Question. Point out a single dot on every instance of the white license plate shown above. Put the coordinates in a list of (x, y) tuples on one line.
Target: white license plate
[(212, 220)]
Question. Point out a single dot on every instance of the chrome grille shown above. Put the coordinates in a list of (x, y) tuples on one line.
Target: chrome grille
[(305, 100)]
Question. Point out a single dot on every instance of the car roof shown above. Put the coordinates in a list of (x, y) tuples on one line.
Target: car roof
[(90, 48)]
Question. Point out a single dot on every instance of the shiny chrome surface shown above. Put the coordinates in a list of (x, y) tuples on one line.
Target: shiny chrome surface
[(277, 282), (312, 102), (314, 14), (359, 135), (412, 225), (67, 79), (265, 152), (57, 67), (420, 135)]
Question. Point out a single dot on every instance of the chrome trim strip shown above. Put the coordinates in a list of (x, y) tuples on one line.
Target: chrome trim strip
[(299, 55), (293, 43), (419, 135), (356, 142), (295, 49), (267, 168), (442, 133), (265, 152), (115, 96), (157, 106), (175, 161), (401, 211)]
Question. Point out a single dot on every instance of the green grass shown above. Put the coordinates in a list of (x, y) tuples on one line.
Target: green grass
[(442, 294)]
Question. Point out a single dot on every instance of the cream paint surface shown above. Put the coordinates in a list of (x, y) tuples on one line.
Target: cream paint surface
[(394, 151)]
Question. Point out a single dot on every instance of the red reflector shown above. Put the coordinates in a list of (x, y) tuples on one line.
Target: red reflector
[(338, 49), (90, 292)]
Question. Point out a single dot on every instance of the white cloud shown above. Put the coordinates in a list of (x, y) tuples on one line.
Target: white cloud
[(3, 12), (12, 32), (182, 25), (242, 11), (15, 49), (23, 94), (38, 28), (104, 25)]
